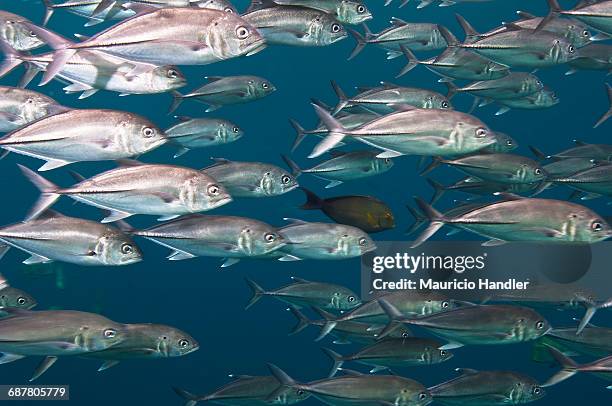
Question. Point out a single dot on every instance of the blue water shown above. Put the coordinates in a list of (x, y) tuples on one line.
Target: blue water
[(198, 297)]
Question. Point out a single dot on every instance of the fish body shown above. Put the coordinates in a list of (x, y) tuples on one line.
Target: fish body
[(542, 99), (596, 180), (19, 107), (13, 297), (597, 15), (192, 133), (592, 341), (345, 11), (15, 31), (513, 86), (592, 57)]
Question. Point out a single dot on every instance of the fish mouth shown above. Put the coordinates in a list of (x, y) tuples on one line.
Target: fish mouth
[(339, 38), (256, 47), (369, 249), (292, 187), (222, 201)]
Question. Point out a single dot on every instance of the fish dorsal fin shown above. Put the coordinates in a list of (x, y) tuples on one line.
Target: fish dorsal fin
[(326, 315), (299, 280), (397, 22), (294, 221), (213, 78), (81, 37), (512, 26), (523, 15), (466, 371), (49, 214), (580, 143), (388, 84), (128, 163), (217, 162), (260, 5)]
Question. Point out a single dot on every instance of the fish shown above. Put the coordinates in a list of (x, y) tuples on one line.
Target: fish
[(475, 324), (304, 293), (408, 302), (251, 179), (595, 181), (592, 57), (608, 113), (222, 91), (365, 212), (488, 387), (597, 152), (456, 63), (15, 31), (248, 390), (515, 85), (345, 11), (477, 186), (345, 332), (445, 3), (601, 368), (88, 72), (294, 25), (171, 36), (360, 389), (26, 333), (322, 241), (542, 99), (504, 144), (520, 47), (563, 167), (13, 297), (83, 135), (344, 166), (515, 218), (595, 14), (136, 188), (413, 36), (228, 237), (388, 94), (224, 5), (19, 107), (496, 167), (141, 341), (592, 341), (52, 236), (393, 352), (411, 131), (192, 133)]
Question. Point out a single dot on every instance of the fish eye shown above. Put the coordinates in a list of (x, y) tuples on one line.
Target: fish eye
[(32, 34), (285, 179), (481, 132), (299, 392), (172, 74), (127, 249), (443, 353), (21, 300), (538, 171), (571, 49), (148, 132), (213, 190), (445, 304), (242, 32), (228, 10), (351, 299), (596, 226), (236, 130), (509, 143), (444, 104), (536, 390), (30, 101), (540, 325), (405, 335), (335, 28), (110, 333), (586, 33), (539, 83), (270, 237), (361, 9), (363, 242), (265, 85), (422, 396), (183, 343), (387, 160)]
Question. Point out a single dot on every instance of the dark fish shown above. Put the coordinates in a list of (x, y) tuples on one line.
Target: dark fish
[(364, 212), (487, 388), (303, 293), (393, 352)]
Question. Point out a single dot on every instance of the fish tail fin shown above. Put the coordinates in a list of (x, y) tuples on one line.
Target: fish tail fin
[(468, 29), (336, 358), (295, 169), (188, 396), (395, 318), (361, 41), (258, 292), (49, 9), (412, 61), (12, 58), (285, 380), (438, 188), (537, 153), (435, 162), (330, 323), (177, 99), (313, 202), (48, 194), (62, 47), (451, 89), (342, 98), (302, 320), (609, 112), (419, 220), (590, 312), (436, 219), (568, 365), (336, 132), (300, 134)]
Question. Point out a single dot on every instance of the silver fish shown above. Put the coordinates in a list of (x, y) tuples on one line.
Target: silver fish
[(345, 11), (55, 237), (19, 107), (226, 237), (345, 166), (84, 135), (513, 86), (191, 133), (17, 34), (136, 188), (13, 297), (542, 99), (595, 14), (592, 57), (251, 179), (601, 367)]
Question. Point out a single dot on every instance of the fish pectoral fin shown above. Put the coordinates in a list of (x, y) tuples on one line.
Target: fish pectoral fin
[(77, 87), (450, 346), (229, 262), (115, 216), (179, 255), (212, 108), (378, 368), (168, 217), (342, 341), (6, 357), (495, 242), (333, 183), (389, 154), (44, 365), (289, 257), (37, 259), (107, 364), (52, 164)]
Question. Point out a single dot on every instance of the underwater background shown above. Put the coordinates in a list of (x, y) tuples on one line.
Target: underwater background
[(207, 302)]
